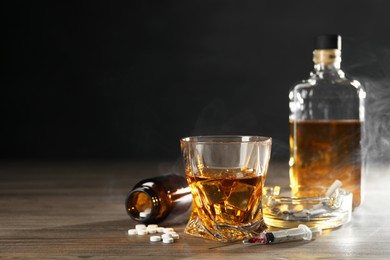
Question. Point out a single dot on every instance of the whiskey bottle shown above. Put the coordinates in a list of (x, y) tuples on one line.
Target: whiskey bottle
[(326, 125)]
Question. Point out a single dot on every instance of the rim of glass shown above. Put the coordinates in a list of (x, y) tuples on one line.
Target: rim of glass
[(267, 191), (227, 139)]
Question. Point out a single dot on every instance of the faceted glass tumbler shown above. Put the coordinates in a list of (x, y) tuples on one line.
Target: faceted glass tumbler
[(226, 176)]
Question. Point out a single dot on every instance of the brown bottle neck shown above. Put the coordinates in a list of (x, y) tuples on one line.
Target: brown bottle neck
[(143, 200)]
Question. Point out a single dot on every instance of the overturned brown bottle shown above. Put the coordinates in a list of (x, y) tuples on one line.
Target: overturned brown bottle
[(164, 198)]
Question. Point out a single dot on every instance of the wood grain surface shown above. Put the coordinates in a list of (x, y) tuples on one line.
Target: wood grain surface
[(62, 210)]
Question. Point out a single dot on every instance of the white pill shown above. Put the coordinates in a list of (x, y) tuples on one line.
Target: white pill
[(155, 238), (140, 226), (142, 232), (153, 226), (168, 240), (132, 232), (175, 236), (166, 236), (167, 230), (143, 214), (152, 231), (160, 229)]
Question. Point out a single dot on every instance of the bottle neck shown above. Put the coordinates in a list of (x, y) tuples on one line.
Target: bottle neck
[(328, 59), (143, 204), (327, 64)]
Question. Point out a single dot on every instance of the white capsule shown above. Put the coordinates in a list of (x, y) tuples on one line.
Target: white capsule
[(140, 227), (142, 232), (155, 238), (168, 240), (132, 232)]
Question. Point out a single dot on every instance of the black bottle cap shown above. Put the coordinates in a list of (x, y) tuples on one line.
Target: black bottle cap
[(329, 41)]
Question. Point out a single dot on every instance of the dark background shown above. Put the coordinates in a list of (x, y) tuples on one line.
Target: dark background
[(109, 80)]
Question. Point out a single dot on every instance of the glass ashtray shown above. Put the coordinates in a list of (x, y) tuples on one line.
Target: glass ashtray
[(282, 209)]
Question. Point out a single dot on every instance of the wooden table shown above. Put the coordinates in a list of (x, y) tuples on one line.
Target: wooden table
[(76, 210)]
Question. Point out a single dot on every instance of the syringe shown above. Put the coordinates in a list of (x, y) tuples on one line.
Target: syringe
[(302, 232)]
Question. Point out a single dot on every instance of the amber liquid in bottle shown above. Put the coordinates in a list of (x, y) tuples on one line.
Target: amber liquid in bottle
[(326, 126), (325, 151)]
